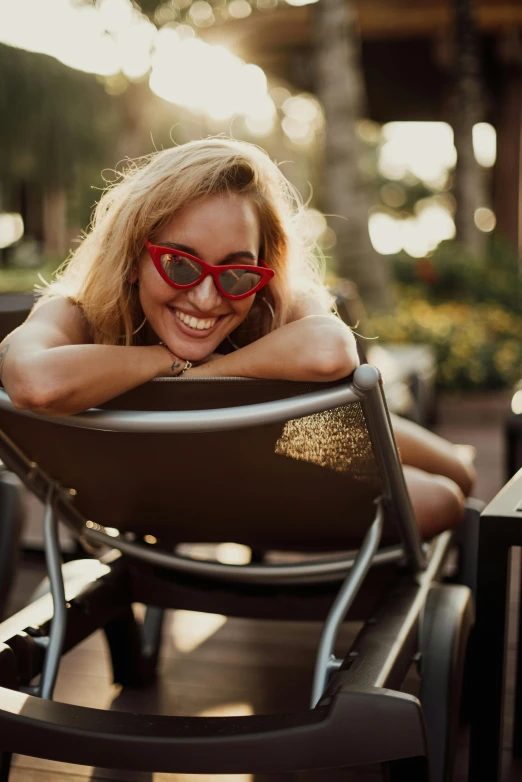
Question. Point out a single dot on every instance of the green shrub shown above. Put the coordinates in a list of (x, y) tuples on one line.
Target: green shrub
[(453, 274), (477, 346)]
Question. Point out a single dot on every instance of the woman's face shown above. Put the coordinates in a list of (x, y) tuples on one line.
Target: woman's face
[(220, 229)]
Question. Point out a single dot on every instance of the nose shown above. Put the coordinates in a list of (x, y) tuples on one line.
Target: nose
[(205, 296)]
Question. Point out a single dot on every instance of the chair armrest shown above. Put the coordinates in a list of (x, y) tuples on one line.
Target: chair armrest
[(333, 736)]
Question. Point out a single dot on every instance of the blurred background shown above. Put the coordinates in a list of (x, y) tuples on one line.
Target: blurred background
[(399, 119)]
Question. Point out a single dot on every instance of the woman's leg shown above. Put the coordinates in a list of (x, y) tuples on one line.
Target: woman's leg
[(430, 453), (438, 503)]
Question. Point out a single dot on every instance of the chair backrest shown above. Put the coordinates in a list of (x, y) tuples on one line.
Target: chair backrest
[(306, 482)]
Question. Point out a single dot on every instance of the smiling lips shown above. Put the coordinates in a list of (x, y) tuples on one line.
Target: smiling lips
[(198, 324)]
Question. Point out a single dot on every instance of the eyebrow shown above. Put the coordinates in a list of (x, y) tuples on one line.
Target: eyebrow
[(236, 256)]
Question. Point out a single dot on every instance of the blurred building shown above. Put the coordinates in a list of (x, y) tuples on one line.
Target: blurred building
[(410, 58)]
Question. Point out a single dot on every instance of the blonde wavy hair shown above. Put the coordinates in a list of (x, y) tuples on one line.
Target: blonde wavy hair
[(146, 195)]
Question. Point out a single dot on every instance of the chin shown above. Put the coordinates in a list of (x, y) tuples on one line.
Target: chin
[(193, 352)]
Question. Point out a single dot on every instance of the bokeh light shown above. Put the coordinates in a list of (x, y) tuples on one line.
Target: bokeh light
[(194, 74), (385, 233), (76, 35), (112, 37), (424, 149), (303, 118), (516, 402), (11, 228), (485, 219), (485, 144), (239, 9), (393, 194), (417, 235), (201, 13), (368, 131)]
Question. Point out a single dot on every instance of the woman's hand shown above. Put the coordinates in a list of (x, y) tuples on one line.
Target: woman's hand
[(317, 348)]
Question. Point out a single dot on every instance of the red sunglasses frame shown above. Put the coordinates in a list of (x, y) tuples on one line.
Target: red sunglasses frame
[(157, 250)]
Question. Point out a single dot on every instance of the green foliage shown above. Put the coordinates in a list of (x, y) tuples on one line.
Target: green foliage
[(469, 310), (477, 345), (59, 120), (18, 280), (452, 274)]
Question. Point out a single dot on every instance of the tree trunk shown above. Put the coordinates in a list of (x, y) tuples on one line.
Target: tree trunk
[(508, 122), (341, 90), (470, 178), (55, 222)]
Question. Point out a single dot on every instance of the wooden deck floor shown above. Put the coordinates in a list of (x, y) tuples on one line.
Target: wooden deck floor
[(214, 666)]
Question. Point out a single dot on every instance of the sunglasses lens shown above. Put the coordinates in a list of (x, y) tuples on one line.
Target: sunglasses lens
[(181, 270), (236, 282)]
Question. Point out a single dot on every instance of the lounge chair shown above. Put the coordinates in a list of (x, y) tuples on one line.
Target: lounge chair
[(276, 466)]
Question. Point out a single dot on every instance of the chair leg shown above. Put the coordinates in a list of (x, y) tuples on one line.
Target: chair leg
[(406, 770), (445, 629), (152, 627), (10, 529), (5, 765), (488, 655), (124, 639), (467, 536), (134, 649), (517, 717), (57, 631), (512, 464)]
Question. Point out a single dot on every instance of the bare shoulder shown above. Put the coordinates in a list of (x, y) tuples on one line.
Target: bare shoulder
[(54, 322), (306, 302)]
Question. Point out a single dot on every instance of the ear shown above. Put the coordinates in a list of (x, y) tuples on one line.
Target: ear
[(134, 275)]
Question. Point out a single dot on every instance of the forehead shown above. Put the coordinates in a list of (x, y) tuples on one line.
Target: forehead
[(224, 222)]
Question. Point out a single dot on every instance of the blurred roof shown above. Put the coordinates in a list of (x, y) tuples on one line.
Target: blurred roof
[(395, 34)]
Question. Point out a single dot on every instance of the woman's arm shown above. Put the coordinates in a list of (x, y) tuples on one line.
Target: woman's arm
[(46, 366), (317, 348)]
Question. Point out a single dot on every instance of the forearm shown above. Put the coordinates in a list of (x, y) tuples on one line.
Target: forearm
[(72, 378), (316, 349)]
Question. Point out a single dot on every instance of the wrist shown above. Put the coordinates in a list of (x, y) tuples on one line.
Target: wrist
[(177, 365)]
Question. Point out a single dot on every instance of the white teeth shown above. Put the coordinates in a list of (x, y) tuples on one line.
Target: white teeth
[(195, 323)]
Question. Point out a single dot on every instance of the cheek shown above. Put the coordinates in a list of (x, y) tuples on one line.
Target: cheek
[(152, 288)]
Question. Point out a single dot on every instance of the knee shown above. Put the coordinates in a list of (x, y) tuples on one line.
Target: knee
[(452, 499), (447, 506)]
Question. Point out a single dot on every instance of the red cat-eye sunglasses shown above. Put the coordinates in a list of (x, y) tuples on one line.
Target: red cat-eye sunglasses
[(233, 281)]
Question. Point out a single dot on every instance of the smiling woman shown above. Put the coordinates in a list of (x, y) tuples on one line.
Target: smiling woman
[(193, 266)]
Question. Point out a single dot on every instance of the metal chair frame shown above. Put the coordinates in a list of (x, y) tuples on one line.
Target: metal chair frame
[(340, 687)]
